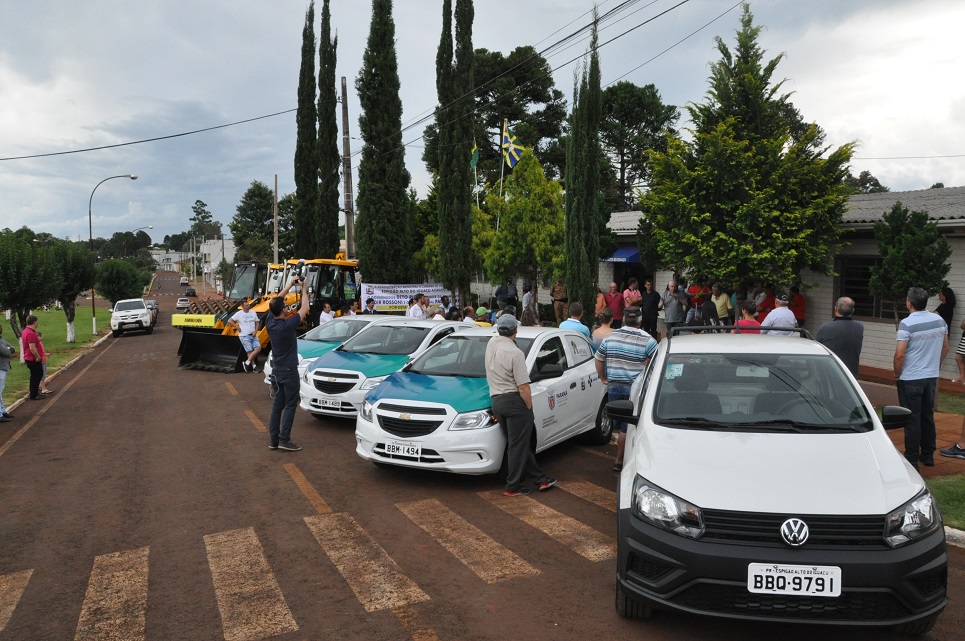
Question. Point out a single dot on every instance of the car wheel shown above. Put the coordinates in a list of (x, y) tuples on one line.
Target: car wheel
[(630, 609), (115, 333), (150, 329), (602, 428)]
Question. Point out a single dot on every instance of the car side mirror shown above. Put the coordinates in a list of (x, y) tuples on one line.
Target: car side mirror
[(621, 411), (548, 371), (894, 417)]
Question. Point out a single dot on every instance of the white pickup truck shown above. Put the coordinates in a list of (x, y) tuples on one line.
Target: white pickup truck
[(129, 314)]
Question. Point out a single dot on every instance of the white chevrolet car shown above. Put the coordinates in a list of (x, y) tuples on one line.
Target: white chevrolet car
[(759, 483), (435, 414), (335, 383)]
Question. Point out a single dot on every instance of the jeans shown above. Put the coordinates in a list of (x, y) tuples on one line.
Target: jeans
[(520, 426), (285, 404), (919, 397), (36, 373), (618, 392), (3, 385)]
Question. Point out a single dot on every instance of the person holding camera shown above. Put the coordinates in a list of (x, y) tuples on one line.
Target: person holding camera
[(283, 333)]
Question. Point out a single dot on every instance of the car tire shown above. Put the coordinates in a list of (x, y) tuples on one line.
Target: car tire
[(150, 329), (919, 627), (115, 333), (628, 608), (602, 429)]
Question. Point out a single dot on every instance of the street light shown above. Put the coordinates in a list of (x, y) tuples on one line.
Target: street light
[(90, 225)]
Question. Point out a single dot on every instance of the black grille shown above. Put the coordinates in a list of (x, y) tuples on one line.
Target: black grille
[(647, 569), (765, 529), (933, 583), (342, 375), (732, 599), (433, 411), (407, 428), (333, 388)]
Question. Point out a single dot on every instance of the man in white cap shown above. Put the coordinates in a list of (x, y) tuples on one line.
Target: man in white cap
[(781, 318), (512, 400)]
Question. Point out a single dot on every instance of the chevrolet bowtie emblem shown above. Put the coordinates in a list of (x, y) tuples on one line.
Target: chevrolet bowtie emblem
[(405, 417), (330, 380)]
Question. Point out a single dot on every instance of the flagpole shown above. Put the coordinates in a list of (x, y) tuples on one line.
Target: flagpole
[(502, 162), (475, 173)]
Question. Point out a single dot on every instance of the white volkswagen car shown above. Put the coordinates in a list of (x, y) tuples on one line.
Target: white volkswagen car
[(435, 414), (335, 383), (759, 483)]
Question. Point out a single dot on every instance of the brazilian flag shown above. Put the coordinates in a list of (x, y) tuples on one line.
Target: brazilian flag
[(512, 150), (475, 156)]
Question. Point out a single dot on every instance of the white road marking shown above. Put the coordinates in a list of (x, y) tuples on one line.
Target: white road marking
[(376, 579), (607, 499), (116, 600), (11, 589), (249, 599), (490, 561), (580, 538)]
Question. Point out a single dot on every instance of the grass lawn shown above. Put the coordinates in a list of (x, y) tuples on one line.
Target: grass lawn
[(949, 491), (53, 325)]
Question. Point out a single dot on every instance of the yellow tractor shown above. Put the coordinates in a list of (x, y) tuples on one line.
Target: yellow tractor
[(209, 343)]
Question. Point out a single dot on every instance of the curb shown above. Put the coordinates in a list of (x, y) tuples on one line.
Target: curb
[(955, 537)]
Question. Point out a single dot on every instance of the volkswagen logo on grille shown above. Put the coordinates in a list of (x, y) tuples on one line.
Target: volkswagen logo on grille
[(794, 532)]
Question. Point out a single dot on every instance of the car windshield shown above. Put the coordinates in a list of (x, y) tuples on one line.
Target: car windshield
[(127, 305), (335, 331), (759, 392), (386, 339), (457, 355)]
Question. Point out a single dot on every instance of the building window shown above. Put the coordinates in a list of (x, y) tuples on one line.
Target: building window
[(854, 272)]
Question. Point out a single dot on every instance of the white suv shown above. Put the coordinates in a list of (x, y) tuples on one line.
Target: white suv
[(759, 483), (129, 314)]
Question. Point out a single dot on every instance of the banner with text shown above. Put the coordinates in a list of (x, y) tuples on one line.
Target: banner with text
[(395, 298)]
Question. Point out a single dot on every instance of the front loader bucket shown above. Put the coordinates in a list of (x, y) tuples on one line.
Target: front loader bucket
[(210, 351)]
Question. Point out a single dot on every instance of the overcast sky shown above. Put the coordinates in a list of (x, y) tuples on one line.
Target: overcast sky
[(76, 75)]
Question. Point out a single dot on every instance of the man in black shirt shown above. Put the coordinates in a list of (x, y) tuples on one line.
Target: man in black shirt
[(843, 335)]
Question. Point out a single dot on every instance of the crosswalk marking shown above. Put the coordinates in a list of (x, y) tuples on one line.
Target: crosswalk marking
[(580, 538), (116, 600), (11, 588), (376, 579), (607, 499), (249, 599), (478, 551)]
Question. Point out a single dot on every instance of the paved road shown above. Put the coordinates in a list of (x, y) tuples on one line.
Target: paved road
[(142, 502)]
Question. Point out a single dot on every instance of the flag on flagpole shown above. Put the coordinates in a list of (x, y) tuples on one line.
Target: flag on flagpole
[(475, 156), (512, 150)]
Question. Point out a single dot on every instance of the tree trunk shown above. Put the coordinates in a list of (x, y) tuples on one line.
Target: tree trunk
[(71, 337), (70, 310)]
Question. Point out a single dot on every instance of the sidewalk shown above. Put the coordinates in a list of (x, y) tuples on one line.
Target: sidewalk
[(948, 427)]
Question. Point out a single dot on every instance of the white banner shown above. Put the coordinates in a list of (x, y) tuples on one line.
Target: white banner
[(395, 298)]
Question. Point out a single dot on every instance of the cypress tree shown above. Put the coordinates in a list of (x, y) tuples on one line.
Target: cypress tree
[(329, 159), (384, 249), (306, 151)]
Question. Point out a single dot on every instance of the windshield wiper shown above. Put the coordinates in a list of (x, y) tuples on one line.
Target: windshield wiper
[(800, 426), (688, 421)]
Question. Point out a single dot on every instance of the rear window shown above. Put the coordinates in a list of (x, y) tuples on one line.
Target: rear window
[(722, 391)]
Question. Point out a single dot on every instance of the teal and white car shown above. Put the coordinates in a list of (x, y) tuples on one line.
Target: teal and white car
[(336, 382), (436, 413), (324, 338)]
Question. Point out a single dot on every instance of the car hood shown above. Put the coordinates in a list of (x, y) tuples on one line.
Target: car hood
[(314, 349), (368, 365), (461, 393), (859, 473)]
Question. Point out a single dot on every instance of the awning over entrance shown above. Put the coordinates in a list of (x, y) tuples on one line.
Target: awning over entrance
[(625, 254)]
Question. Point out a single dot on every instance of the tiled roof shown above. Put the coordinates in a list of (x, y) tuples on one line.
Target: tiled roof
[(941, 204), (624, 222)]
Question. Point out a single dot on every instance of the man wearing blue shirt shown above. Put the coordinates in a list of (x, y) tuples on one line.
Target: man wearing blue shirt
[(922, 345), (574, 322)]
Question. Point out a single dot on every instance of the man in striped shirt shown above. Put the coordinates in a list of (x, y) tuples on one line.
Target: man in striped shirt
[(623, 354), (922, 346)]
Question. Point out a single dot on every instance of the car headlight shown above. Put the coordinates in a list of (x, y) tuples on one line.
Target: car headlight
[(366, 412), (913, 520), (372, 383), (473, 420), (665, 510)]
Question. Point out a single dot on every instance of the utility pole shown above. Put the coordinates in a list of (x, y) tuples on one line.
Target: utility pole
[(347, 178), (275, 212)]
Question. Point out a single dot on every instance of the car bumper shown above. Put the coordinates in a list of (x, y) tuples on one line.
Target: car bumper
[(880, 587), (460, 452), (346, 404)]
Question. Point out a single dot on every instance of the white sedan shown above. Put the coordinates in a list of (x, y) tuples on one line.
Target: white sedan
[(436, 413)]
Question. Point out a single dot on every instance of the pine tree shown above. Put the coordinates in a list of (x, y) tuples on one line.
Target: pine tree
[(329, 159), (306, 143), (383, 247), (454, 84)]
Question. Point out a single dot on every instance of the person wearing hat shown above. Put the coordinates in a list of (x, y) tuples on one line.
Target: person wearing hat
[(781, 317), (512, 404), (622, 355)]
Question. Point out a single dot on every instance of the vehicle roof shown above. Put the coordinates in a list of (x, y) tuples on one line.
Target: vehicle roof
[(522, 332), (402, 321), (744, 343), (128, 300)]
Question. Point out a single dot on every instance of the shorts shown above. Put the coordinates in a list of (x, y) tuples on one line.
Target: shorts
[(249, 342), (618, 392)]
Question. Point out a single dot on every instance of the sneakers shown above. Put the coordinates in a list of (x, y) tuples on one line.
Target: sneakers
[(288, 446), (272, 445), (928, 461), (524, 489), (247, 366), (954, 451), (254, 367), (547, 484), (7, 415)]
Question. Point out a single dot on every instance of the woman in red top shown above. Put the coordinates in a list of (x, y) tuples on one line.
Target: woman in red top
[(32, 357), (767, 305), (797, 306), (747, 310)]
